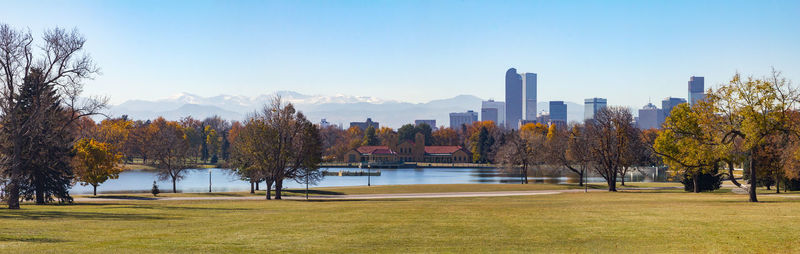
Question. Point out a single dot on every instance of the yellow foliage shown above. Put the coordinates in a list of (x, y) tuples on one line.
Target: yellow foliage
[(95, 162)]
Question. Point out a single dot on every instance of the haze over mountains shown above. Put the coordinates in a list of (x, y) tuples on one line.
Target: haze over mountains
[(337, 109)]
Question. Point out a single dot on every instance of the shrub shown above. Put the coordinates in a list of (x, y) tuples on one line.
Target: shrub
[(155, 190), (706, 182)]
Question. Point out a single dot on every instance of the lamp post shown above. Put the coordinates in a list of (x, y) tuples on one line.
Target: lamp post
[(586, 182), (209, 180), (306, 184)]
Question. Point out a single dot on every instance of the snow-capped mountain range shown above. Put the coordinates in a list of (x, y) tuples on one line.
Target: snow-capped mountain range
[(337, 109)]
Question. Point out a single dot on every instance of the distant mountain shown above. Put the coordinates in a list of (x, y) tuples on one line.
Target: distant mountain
[(337, 109)]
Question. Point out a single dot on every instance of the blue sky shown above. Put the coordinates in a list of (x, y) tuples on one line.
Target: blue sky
[(627, 51)]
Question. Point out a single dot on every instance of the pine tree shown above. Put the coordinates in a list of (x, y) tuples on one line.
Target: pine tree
[(47, 170), (155, 189)]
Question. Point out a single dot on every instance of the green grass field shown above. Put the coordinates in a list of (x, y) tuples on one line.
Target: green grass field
[(389, 189), (629, 221)]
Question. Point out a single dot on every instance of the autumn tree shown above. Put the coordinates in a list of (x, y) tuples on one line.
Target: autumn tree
[(95, 162), (170, 151), (213, 143), (282, 143), (335, 143), (445, 137), (523, 149), (609, 142), (568, 148), (370, 137), (245, 141), (387, 136)]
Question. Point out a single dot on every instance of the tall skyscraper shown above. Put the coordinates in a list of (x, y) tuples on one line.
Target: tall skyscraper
[(513, 98), (670, 102), (494, 111), (529, 95), (558, 112), (591, 106), (460, 118), (696, 89), (650, 117)]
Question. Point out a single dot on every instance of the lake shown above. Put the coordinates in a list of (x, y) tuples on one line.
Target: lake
[(222, 180)]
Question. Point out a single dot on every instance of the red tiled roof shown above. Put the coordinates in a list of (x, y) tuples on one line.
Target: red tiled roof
[(441, 149), (383, 151), (407, 141), (375, 150)]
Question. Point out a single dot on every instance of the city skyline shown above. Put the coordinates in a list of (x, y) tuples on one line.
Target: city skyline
[(327, 48)]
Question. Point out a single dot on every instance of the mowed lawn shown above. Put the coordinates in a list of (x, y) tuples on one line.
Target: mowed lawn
[(393, 189), (630, 221)]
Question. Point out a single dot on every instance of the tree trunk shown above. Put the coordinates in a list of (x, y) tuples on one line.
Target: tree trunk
[(777, 184), (269, 187), (694, 183), (524, 174), (257, 185), (278, 186), (730, 173), (612, 182), (14, 177), (13, 194), (252, 187), (580, 178), (623, 177), (95, 190), (753, 176), (39, 194), (174, 186)]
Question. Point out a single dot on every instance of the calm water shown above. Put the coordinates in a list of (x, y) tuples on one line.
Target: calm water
[(196, 180)]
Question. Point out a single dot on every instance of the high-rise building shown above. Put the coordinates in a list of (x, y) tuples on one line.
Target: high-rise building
[(429, 122), (462, 118), (696, 89), (324, 124), (650, 117), (591, 106), (489, 114), (365, 125), (543, 117), (494, 111), (558, 112), (529, 95), (513, 98), (670, 102)]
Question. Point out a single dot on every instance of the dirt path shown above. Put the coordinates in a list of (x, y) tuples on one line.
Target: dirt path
[(377, 196)]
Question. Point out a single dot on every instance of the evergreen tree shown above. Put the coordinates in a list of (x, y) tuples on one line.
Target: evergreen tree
[(47, 169), (155, 189), (370, 139)]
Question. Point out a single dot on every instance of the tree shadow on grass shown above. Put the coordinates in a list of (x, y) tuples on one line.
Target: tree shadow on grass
[(48, 215), (320, 200), (123, 197), (30, 239), (165, 207)]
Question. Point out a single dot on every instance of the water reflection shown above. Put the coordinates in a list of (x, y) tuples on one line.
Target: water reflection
[(197, 180)]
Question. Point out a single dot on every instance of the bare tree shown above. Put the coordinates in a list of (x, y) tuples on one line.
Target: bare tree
[(523, 150), (63, 66), (609, 142)]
